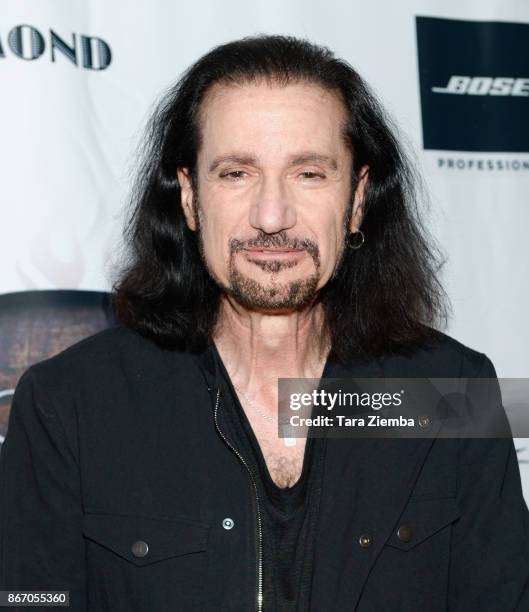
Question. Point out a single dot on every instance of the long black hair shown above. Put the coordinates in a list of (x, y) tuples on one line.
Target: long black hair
[(385, 296)]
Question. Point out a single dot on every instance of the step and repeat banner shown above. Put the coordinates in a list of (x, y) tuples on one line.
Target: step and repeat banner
[(79, 79)]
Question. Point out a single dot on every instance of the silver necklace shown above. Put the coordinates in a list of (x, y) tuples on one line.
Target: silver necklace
[(287, 441), (253, 405)]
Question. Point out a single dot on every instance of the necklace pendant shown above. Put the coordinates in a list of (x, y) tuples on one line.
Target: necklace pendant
[(290, 441)]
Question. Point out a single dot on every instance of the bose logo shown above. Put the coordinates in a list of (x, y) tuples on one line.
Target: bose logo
[(485, 86)]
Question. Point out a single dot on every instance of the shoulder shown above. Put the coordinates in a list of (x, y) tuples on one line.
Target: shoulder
[(94, 353), (110, 362), (440, 355), (98, 381)]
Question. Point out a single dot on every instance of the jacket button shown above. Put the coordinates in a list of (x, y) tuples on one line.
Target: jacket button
[(364, 540), (405, 533), (139, 548), (228, 523)]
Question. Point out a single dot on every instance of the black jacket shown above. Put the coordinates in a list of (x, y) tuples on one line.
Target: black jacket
[(116, 481)]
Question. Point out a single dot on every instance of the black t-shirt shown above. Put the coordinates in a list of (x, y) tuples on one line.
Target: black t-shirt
[(289, 515)]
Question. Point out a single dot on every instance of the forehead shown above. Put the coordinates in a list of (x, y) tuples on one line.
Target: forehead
[(275, 118)]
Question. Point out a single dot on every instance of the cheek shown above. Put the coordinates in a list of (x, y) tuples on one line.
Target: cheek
[(217, 229), (330, 240)]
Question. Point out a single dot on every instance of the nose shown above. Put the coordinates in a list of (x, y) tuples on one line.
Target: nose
[(273, 209)]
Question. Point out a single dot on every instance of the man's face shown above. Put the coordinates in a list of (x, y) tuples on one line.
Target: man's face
[(274, 191)]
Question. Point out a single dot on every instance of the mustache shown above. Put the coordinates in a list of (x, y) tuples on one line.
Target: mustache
[(279, 240)]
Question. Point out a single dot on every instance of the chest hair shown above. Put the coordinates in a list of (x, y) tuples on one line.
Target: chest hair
[(284, 464)]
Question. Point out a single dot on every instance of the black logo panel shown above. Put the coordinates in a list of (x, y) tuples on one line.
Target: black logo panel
[(474, 84)]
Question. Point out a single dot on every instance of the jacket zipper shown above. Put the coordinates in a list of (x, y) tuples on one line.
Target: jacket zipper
[(259, 523)]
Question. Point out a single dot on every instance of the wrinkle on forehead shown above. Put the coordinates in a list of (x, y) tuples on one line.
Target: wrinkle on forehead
[(225, 87), (272, 118)]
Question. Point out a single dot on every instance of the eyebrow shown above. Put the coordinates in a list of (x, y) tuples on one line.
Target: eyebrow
[(303, 158)]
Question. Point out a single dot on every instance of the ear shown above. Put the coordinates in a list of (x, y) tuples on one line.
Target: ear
[(186, 197), (358, 204)]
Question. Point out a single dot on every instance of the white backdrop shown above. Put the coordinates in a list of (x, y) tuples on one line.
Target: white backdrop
[(68, 132)]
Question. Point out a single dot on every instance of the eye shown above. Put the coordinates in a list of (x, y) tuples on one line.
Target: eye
[(311, 175), (233, 175)]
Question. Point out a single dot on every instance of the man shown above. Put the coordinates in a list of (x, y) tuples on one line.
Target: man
[(274, 234)]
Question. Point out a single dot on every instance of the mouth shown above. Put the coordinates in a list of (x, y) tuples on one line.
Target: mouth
[(282, 252)]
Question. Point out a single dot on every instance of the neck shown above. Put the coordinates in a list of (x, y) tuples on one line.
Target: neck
[(258, 348)]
